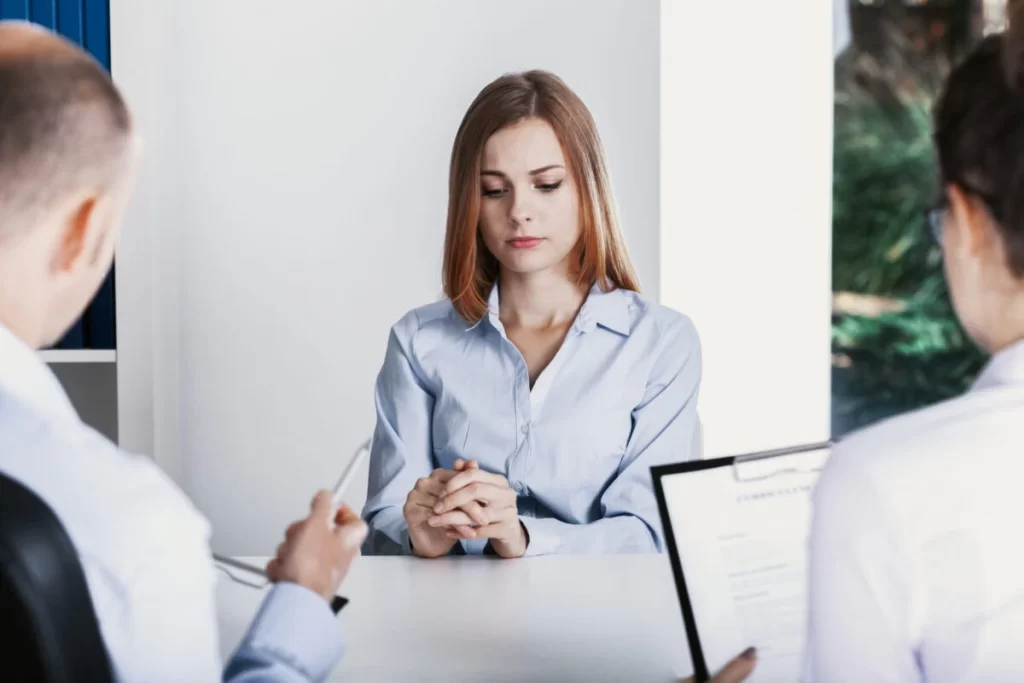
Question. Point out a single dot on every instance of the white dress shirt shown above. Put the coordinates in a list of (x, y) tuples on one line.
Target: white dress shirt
[(917, 548), (144, 548)]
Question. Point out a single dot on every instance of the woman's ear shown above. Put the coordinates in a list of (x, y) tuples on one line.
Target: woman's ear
[(969, 229)]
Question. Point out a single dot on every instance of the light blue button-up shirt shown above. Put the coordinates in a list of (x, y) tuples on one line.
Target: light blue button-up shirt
[(619, 397)]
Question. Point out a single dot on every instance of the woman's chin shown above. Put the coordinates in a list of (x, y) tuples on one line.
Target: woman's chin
[(532, 263), (527, 264)]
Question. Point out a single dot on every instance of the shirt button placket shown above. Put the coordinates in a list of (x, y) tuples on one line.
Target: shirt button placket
[(523, 418)]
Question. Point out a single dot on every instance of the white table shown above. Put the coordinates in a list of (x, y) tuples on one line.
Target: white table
[(607, 618)]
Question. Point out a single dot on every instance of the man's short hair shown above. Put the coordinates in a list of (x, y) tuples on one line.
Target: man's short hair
[(63, 127)]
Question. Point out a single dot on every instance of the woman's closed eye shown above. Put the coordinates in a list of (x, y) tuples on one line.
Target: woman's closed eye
[(494, 192)]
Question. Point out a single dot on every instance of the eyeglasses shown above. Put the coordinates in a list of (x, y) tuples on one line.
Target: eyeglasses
[(935, 220), (229, 565), (936, 216)]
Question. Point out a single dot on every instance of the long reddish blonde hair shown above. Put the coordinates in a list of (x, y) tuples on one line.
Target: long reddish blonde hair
[(470, 270)]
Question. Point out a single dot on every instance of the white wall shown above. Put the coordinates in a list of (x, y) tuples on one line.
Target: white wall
[(301, 160), (146, 64), (746, 153)]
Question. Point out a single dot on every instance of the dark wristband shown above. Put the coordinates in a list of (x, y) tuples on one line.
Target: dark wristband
[(337, 602)]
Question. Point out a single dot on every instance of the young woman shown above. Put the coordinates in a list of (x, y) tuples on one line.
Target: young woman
[(521, 414)]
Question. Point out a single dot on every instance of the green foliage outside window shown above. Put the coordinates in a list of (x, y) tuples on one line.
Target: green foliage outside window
[(896, 343)]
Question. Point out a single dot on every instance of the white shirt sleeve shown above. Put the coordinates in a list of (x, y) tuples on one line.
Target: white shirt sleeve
[(173, 629), (170, 618), (860, 583)]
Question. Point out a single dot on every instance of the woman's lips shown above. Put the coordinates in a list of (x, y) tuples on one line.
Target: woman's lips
[(525, 242)]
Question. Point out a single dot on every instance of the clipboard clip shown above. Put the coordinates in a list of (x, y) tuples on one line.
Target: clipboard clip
[(741, 470)]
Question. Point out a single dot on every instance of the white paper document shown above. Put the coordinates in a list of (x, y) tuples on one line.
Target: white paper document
[(742, 536)]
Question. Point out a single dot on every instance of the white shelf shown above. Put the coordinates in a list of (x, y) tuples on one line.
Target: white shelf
[(79, 356)]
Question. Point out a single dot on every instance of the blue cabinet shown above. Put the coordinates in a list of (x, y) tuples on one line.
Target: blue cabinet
[(86, 22)]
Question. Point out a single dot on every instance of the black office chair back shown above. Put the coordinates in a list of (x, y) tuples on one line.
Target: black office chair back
[(48, 620)]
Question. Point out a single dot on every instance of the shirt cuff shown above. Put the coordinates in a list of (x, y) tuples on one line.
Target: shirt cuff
[(489, 550), (296, 626), (543, 536), (388, 534)]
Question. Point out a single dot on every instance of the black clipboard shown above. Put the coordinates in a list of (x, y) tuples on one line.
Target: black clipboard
[(700, 667)]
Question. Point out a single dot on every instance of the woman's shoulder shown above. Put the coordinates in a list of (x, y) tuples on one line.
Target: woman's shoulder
[(646, 315), (429, 325), (912, 437), (918, 449), (437, 313)]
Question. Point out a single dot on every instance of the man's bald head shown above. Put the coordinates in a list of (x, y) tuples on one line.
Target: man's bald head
[(64, 127)]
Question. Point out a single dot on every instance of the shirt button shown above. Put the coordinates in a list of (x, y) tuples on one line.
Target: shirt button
[(526, 428), (517, 487)]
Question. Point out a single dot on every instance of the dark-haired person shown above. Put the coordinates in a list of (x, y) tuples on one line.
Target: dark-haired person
[(521, 415), (68, 153), (917, 572)]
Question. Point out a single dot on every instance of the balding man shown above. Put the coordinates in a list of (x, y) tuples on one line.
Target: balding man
[(67, 159)]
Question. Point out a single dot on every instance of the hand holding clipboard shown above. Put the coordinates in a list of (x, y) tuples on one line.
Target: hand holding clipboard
[(736, 531), (735, 671)]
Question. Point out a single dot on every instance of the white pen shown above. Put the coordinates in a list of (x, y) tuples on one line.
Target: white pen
[(336, 498), (349, 473)]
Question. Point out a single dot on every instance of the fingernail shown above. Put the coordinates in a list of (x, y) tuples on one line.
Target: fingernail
[(749, 653), (438, 508)]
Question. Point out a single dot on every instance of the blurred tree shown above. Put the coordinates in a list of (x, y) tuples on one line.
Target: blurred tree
[(896, 343)]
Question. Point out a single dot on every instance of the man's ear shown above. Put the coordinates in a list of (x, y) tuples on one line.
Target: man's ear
[(970, 222), (76, 233)]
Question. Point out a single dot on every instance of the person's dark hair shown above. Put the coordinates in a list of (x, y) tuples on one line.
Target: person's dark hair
[(979, 130), (63, 127)]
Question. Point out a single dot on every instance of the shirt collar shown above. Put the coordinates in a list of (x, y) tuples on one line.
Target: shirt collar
[(1005, 367), (607, 309), (26, 376)]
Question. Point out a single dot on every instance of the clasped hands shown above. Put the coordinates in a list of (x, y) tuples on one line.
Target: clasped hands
[(463, 503)]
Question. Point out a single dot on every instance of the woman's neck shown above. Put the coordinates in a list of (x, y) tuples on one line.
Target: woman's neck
[(1007, 331), (538, 300)]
